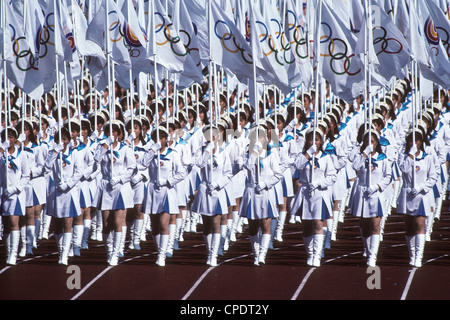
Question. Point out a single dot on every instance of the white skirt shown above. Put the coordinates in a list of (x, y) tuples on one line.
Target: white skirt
[(35, 193), (64, 204), (287, 183), (367, 207), (182, 188), (317, 207), (340, 187), (415, 206), (85, 194), (138, 192), (210, 204), (118, 198), (160, 200), (238, 182), (258, 206), (14, 205), (229, 192)]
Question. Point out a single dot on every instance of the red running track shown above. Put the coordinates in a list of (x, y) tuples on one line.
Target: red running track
[(285, 277)]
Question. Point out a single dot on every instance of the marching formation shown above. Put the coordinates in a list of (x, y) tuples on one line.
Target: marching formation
[(123, 118), (166, 168)]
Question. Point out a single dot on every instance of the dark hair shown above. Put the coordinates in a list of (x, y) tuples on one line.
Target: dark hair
[(86, 126), (310, 135), (62, 133), (162, 135), (366, 143), (409, 139), (10, 132), (28, 127)]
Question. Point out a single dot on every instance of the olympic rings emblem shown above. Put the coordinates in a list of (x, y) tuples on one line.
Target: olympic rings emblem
[(385, 42), (337, 51), (445, 42), (229, 42)]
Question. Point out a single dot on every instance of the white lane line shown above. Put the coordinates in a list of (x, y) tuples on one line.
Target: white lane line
[(91, 283), (302, 284), (408, 283)]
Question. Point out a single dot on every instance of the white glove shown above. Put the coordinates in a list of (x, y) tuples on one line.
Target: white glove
[(260, 187), (416, 190), (370, 191), (313, 186), (58, 147), (312, 150), (257, 147), (40, 134), (212, 186), (413, 150), (109, 141), (114, 181), (209, 147), (5, 145), (292, 124), (10, 191), (368, 150), (94, 135), (136, 179), (131, 137), (156, 147), (63, 187), (22, 137)]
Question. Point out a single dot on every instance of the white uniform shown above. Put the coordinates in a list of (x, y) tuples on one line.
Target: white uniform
[(425, 175), (120, 196), (160, 197), (256, 206), (64, 204), (18, 177), (213, 203), (319, 205), (36, 195), (380, 174)]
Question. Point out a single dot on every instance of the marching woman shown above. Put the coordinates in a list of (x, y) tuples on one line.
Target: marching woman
[(63, 202), (160, 200), (211, 198), (140, 175), (14, 175), (87, 166), (36, 196), (89, 178), (45, 139), (258, 203), (288, 149), (117, 163), (419, 176), (368, 202), (313, 201)]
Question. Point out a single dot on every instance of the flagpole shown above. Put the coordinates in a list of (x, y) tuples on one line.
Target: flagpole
[(5, 79), (316, 100), (368, 42), (210, 71), (111, 88), (155, 84), (255, 86)]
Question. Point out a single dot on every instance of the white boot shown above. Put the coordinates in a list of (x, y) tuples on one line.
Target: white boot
[(94, 218), (429, 226), (235, 215), (334, 225), (280, 226), (419, 245), (86, 231), (318, 241), (223, 237), (329, 232), (308, 241), (122, 242), (138, 226), (145, 222), (117, 242), (184, 223), (292, 218), (37, 231), (263, 247), (132, 234), (23, 241), (77, 239), (254, 241), (226, 244), (172, 229), (66, 243), (46, 226), (99, 229), (273, 228), (411, 244), (109, 244), (14, 239), (31, 232), (208, 241), (178, 227), (373, 243), (163, 242), (215, 243), (194, 221)]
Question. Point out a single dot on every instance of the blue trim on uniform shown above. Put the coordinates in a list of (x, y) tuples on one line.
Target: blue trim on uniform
[(421, 211), (82, 200), (35, 199), (18, 209), (73, 209), (270, 213), (379, 209), (325, 214), (120, 205)]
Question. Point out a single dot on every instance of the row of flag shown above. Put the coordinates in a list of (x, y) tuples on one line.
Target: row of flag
[(264, 42)]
